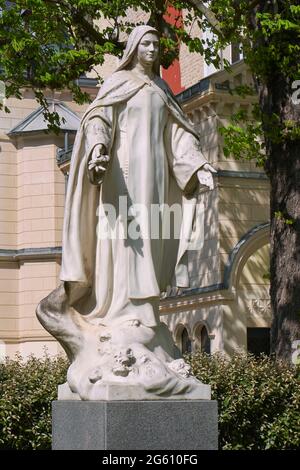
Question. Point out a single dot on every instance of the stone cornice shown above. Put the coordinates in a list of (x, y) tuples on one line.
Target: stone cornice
[(257, 175), (30, 253), (12, 339), (196, 298)]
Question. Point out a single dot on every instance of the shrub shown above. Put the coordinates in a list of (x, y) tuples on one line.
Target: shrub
[(27, 389), (258, 400)]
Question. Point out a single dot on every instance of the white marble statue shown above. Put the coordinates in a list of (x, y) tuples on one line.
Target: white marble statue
[(135, 151)]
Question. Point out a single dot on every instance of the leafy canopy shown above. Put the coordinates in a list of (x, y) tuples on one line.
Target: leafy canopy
[(50, 44)]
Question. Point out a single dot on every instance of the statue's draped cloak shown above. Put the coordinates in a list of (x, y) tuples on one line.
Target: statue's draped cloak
[(155, 154)]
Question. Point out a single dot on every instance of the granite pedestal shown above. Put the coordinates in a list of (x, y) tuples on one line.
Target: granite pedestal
[(135, 425)]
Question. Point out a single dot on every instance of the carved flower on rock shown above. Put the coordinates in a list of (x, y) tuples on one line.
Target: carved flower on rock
[(180, 367), (124, 359)]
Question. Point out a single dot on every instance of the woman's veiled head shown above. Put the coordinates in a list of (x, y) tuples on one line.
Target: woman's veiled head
[(134, 39), (147, 50)]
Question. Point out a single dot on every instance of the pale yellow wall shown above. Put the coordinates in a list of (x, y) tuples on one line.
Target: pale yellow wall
[(23, 285), (9, 288), (8, 193), (254, 288), (40, 185), (32, 187), (36, 280), (243, 204), (32, 192), (234, 328)]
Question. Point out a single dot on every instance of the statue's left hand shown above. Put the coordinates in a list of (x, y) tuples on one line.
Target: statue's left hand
[(205, 176)]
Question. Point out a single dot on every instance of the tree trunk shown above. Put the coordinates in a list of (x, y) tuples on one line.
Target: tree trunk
[(283, 168)]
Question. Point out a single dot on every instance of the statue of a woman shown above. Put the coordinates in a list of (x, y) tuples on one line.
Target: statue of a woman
[(135, 155)]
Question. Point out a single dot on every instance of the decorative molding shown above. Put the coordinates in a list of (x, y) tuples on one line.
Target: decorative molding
[(31, 253), (242, 174), (261, 307), (179, 329), (252, 237), (186, 302), (200, 324), (27, 339)]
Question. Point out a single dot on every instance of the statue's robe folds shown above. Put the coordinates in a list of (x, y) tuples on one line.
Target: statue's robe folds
[(154, 157)]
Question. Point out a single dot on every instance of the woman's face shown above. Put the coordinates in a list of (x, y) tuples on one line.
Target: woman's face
[(147, 51)]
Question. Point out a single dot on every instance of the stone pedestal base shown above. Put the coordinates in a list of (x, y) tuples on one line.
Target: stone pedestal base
[(135, 425)]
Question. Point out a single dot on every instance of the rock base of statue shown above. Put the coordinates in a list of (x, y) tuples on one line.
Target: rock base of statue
[(124, 360), (112, 392), (135, 425)]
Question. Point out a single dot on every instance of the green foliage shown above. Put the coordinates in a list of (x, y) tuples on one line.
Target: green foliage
[(50, 44), (268, 34), (258, 400), (291, 130), (55, 52), (26, 392), (243, 139)]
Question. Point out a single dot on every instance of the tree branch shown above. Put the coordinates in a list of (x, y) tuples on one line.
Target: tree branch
[(253, 4), (209, 15), (83, 23)]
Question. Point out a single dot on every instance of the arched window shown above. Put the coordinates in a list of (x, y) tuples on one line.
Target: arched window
[(205, 340), (186, 345), (202, 339)]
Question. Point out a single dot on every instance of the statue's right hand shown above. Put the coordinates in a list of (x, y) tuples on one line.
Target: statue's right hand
[(97, 164)]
